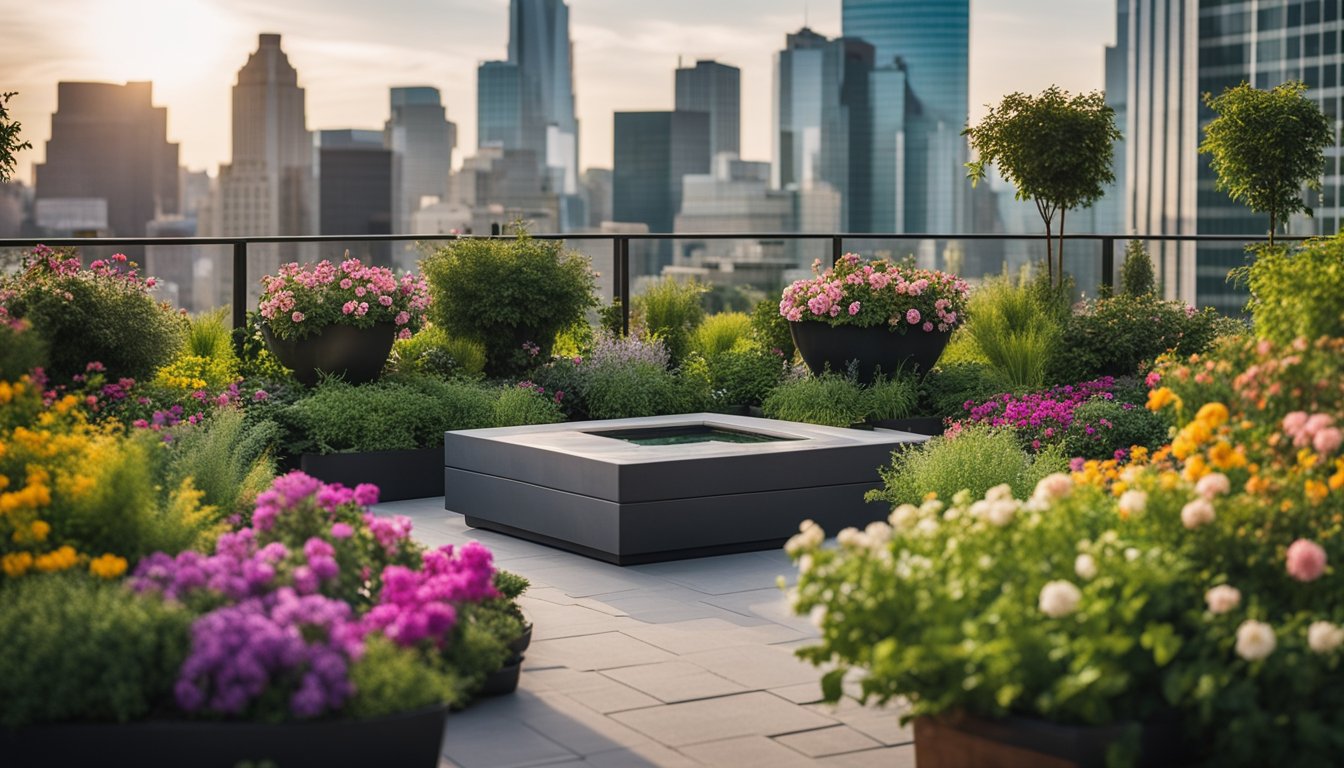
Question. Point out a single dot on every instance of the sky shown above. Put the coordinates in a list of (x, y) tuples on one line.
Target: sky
[(349, 52)]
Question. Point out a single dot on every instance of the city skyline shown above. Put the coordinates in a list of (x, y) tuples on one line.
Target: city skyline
[(625, 58)]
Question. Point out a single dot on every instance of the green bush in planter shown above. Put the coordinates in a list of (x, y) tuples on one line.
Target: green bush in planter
[(523, 404), (507, 293), (389, 679), (432, 351), (838, 401), (399, 414), (977, 459), (718, 333), (670, 311), (1136, 274), (1014, 329), (744, 374), (78, 649)]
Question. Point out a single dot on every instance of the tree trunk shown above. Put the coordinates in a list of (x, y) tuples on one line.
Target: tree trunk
[(1060, 250), (1047, 217), (1273, 226)]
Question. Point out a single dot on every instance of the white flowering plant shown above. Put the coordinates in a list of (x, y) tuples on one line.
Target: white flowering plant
[(1196, 588)]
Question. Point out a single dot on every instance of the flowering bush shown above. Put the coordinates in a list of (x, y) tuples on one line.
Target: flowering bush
[(102, 312), (1197, 583), (302, 300), (877, 293)]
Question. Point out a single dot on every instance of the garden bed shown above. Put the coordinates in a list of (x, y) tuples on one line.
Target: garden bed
[(399, 475)]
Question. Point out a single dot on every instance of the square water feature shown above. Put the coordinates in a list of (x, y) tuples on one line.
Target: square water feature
[(665, 487)]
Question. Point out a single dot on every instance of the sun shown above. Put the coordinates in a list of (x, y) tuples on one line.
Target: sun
[(171, 42)]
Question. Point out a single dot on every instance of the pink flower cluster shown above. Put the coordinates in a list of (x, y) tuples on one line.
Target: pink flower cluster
[(418, 605), (1305, 560), (877, 293), (1317, 430), (304, 299)]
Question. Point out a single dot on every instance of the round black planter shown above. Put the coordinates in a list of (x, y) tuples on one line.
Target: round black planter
[(356, 354), (504, 680), (520, 643), (875, 349), (411, 739)]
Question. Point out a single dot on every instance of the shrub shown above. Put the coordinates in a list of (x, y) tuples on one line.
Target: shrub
[(227, 458), (771, 329), (718, 333), (389, 679), (948, 390), (77, 649), (400, 414), (1298, 292), (1120, 335), (21, 350), (524, 404), (432, 351), (1014, 330), (209, 335), (1106, 429), (837, 401), (670, 311), (892, 398), (562, 379), (744, 374), (190, 373), (615, 391), (1136, 274), (976, 459), (505, 293), (103, 313)]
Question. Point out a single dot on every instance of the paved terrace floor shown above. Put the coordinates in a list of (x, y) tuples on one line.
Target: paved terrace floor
[(668, 664)]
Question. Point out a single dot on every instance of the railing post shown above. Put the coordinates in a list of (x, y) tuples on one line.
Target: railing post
[(1108, 263), (837, 249), (624, 285), (239, 286)]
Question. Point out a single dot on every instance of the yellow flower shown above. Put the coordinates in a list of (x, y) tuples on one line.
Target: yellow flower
[(1137, 454), (1119, 487), (1212, 415), (108, 566), (1315, 491), (40, 529), (1169, 480), (16, 564), (1224, 457), (1257, 485), (1336, 481), (1195, 468), (60, 560), (1306, 459), (1162, 397)]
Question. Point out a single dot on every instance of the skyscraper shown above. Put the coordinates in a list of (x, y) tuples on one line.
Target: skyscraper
[(540, 72), (421, 140), (653, 152), (716, 89), (1179, 49), (110, 142), (929, 41), (268, 188), (355, 172)]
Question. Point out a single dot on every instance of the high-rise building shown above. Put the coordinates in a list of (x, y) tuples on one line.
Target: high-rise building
[(653, 152), (1180, 49), (421, 139), (527, 102), (268, 188), (596, 186), (823, 121), (355, 182), (110, 142), (716, 89), (928, 41)]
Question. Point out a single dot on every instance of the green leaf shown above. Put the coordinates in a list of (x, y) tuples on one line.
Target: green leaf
[(832, 684), (1162, 640)]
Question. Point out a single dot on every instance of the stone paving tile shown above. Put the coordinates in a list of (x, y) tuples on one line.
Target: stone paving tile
[(580, 729), (698, 635), (756, 667), (726, 717), (585, 579), (890, 757), (768, 604), (747, 752), (827, 741), (499, 743), (673, 681), (649, 755), (720, 575), (591, 689), (802, 693), (656, 606), (551, 621), (600, 651)]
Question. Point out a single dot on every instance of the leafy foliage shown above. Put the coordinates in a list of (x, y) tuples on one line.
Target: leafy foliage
[(9, 138), (399, 414), (21, 350), (389, 679), (744, 374), (520, 405), (1100, 428), (718, 333), (949, 388), (228, 459), (432, 351), (1265, 145), (1298, 292), (771, 329), (1136, 274), (78, 649), (504, 293), (839, 401), (1013, 330), (1055, 148), (670, 311)]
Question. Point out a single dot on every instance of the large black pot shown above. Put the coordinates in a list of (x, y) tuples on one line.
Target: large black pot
[(875, 349), (356, 354), (411, 739), (955, 740)]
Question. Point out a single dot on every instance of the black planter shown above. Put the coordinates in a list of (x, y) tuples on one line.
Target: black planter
[(518, 646), (399, 475), (356, 354), (504, 680), (824, 346), (411, 739), (952, 741)]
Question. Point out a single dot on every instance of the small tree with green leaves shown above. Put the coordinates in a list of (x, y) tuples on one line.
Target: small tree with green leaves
[(1265, 146), (1136, 274), (9, 139), (1055, 148)]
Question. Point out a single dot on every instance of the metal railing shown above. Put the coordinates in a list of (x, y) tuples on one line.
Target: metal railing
[(620, 248)]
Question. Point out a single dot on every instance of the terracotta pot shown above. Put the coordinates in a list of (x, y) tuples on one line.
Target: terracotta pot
[(356, 354), (953, 741), (874, 349)]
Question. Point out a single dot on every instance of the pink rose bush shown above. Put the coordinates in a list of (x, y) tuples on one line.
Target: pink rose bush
[(302, 300), (873, 293)]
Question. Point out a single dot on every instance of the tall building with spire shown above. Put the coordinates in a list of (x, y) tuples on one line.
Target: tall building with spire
[(269, 187), (527, 102)]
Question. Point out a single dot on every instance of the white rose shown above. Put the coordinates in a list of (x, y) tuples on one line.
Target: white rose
[(979, 509), (851, 537), (1131, 554), (878, 533), (1222, 598), (805, 563), (931, 507), (1059, 598), (1255, 640), (1133, 502), (1001, 511), (817, 615), (903, 516), (809, 536), (999, 492), (1324, 637), (927, 527), (1085, 566), (1213, 484), (1053, 486), (1197, 513)]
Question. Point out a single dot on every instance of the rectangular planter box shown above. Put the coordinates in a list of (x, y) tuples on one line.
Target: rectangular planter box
[(398, 474), (569, 486), (953, 741)]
